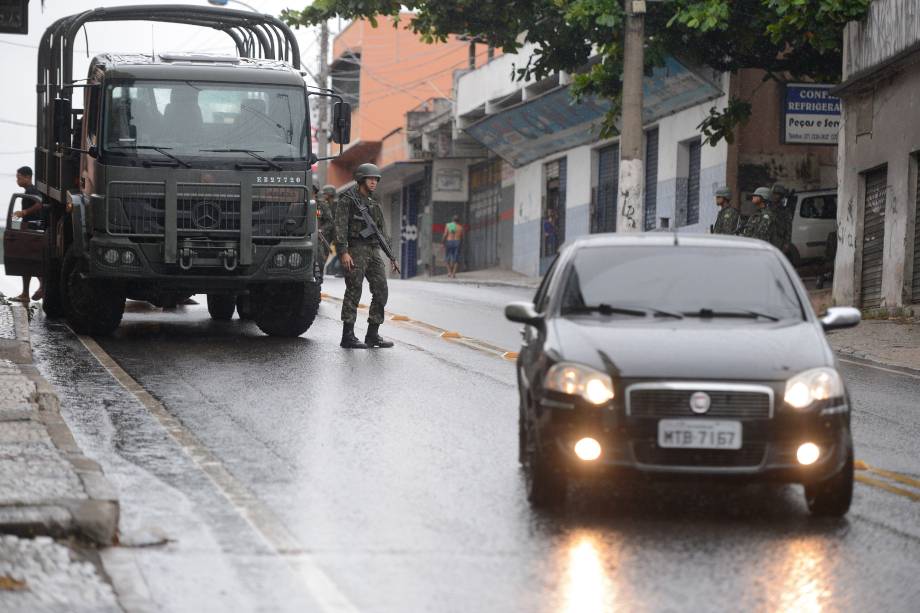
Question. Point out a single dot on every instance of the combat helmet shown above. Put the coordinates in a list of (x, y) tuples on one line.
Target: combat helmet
[(763, 192), (724, 192), (329, 190), (365, 171)]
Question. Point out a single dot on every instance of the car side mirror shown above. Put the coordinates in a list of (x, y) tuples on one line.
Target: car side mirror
[(523, 313), (838, 318), (341, 123), (62, 117)]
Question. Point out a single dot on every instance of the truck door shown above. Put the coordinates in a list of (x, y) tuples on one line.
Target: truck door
[(23, 242)]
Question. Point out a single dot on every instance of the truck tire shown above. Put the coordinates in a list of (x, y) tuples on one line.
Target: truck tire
[(93, 307), (286, 310), (221, 306), (244, 307), (53, 302)]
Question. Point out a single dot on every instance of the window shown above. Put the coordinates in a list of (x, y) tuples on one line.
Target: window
[(553, 221), (651, 177), (694, 153), (604, 211), (819, 207)]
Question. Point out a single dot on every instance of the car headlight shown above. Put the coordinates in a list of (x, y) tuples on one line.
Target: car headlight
[(577, 380), (812, 386)]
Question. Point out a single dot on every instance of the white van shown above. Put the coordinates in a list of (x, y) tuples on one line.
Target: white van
[(814, 222)]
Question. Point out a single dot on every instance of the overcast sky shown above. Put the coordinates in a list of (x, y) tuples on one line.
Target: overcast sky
[(19, 53)]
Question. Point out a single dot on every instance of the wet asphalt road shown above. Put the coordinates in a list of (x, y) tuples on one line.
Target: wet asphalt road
[(292, 475)]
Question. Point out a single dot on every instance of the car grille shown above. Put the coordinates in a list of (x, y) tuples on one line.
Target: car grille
[(750, 455), (139, 209), (667, 402)]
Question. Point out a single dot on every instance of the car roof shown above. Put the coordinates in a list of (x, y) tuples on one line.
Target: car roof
[(663, 239)]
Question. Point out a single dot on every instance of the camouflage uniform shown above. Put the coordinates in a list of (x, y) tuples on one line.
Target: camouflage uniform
[(325, 221), (727, 222), (369, 261), (763, 225)]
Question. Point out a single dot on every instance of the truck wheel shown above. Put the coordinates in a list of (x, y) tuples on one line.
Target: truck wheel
[(286, 310), (221, 306), (53, 302), (93, 306), (244, 307), (832, 497)]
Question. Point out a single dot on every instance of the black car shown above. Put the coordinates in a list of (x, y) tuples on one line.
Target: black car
[(656, 355)]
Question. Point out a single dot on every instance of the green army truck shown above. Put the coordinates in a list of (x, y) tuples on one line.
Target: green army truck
[(181, 174)]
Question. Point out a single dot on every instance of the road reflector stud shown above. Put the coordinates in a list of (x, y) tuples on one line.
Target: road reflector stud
[(860, 465), (323, 295), (362, 306), (510, 355), (399, 318), (451, 334)]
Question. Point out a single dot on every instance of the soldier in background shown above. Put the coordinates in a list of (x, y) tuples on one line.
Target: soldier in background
[(361, 258), (778, 202), (729, 218), (763, 223), (325, 222)]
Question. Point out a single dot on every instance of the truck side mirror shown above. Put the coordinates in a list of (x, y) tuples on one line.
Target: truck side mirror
[(341, 123), (61, 128)]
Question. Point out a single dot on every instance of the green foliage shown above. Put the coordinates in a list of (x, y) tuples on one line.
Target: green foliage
[(799, 38)]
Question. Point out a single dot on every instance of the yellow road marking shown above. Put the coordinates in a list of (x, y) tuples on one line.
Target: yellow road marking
[(510, 355), (860, 465), (896, 477), (900, 491), (451, 334), (399, 318)]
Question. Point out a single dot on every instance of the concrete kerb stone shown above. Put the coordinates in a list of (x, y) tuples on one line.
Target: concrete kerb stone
[(70, 495)]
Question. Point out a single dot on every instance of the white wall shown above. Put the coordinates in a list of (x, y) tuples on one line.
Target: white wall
[(490, 81)]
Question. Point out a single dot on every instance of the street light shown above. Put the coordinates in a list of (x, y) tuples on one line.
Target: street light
[(225, 2)]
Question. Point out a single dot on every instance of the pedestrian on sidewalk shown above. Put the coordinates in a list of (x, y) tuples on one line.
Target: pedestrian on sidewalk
[(361, 257), (453, 238), (33, 214)]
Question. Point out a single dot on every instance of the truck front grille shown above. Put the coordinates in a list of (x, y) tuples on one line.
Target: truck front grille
[(139, 209)]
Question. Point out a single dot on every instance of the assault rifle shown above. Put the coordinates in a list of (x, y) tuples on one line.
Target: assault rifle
[(371, 229)]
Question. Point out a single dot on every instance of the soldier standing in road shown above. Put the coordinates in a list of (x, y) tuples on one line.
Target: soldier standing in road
[(762, 224), (728, 219), (783, 216), (325, 221), (361, 258)]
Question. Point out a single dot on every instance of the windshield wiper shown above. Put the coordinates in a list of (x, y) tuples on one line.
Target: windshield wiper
[(607, 309), (253, 152), (156, 148), (740, 313)]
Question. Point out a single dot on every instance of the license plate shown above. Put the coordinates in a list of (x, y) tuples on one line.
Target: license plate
[(699, 434)]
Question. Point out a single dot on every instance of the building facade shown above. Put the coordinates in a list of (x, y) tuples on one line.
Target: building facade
[(878, 249)]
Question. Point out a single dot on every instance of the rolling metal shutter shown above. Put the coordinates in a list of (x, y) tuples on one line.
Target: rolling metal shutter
[(693, 184), (873, 238), (485, 201), (915, 288), (651, 177), (412, 195), (604, 215)]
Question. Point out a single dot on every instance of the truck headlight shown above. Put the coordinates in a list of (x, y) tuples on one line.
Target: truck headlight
[(577, 380), (812, 386)]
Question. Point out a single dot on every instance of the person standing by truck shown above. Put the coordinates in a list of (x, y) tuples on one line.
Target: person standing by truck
[(361, 257), (453, 238), (30, 213), (728, 218)]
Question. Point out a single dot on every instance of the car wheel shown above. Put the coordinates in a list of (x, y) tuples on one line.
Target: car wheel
[(522, 435), (546, 487), (221, 306), (832, 497), (794, 256)]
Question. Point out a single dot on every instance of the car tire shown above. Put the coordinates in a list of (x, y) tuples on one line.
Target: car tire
[(547, 488), (221, 306), (795, 258), (832, 497), (286, 310), (94, 307)]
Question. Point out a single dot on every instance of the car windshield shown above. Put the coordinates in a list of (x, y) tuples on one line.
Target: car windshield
[(187, 117), (704, 282)]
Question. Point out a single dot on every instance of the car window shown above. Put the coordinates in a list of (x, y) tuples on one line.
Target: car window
[(819, 207), (680, 279), (541, 298)]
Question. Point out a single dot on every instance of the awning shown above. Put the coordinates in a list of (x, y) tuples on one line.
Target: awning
[(552, 122)]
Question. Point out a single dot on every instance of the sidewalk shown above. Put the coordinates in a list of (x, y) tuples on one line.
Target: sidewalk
[(48, 490), (884, 342), (489, 277)]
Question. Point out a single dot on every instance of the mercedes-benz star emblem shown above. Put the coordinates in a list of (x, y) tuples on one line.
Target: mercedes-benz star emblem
[(700, 402), (206, 215)]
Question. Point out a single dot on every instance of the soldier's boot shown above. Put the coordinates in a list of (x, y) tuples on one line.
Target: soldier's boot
[(349, 340), (373, 339)]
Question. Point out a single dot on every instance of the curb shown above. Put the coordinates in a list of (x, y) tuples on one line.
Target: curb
[(94, 518), (481, 282), (862, 358)]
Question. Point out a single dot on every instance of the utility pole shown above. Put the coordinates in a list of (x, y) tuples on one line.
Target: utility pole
[(322, 133), (631, 199)]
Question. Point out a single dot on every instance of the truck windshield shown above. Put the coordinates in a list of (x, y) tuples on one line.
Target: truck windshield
[(187, 117)]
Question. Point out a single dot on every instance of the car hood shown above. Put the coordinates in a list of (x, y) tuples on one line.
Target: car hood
[(692, 349)]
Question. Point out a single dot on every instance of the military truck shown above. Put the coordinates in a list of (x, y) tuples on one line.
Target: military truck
[(182, 174)]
